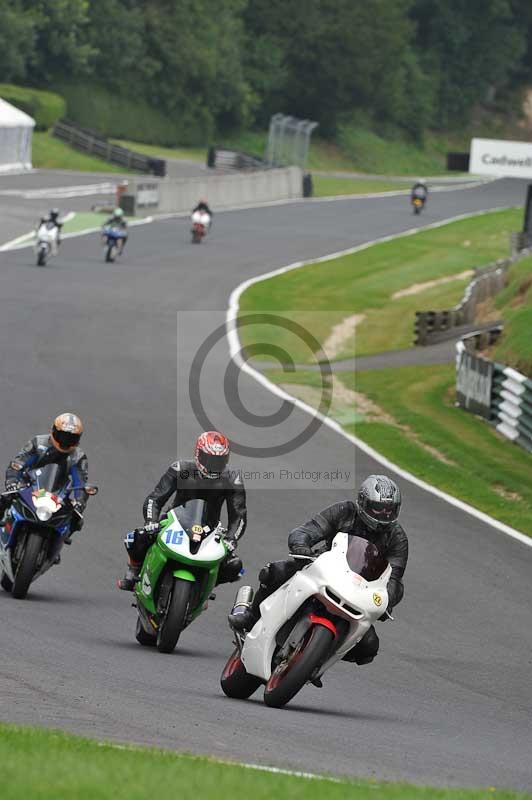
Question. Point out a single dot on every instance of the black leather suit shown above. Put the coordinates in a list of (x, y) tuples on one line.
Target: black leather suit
[(183, 480), (318, 533)]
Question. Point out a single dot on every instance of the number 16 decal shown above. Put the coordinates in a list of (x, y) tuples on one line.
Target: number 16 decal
[(174, 537)]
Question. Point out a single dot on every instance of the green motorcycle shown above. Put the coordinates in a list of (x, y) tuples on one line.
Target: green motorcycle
[(178, 575)]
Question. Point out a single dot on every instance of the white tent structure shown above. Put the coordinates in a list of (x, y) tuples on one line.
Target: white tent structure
[(16, 131)]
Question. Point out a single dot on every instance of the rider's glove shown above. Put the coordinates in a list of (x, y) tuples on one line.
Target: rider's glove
[(77, 506), (152, 527), (13, 486), (301, 550), (231, 545)]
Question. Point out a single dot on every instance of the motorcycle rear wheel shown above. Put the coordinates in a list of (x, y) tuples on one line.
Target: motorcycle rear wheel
[(235, 681), (289, 678), (27, 566), (174, 619)]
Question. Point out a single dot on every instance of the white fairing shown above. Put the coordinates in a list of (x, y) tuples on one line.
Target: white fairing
[(175, 539), (331, 571), (47, 234), (202, 218)]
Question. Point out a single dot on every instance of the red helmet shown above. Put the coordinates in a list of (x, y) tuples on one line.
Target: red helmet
[(212, 453)]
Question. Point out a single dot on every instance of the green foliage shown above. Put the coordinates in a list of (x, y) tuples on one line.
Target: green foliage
[(119, 116), (198, 70), (45, 107)]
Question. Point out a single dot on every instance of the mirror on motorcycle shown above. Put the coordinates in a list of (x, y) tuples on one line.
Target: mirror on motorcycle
[(91, 489)]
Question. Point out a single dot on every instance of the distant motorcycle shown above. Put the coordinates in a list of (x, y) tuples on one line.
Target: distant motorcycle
[(418, 204), (201, 222), (113, 238), (46, 243), (312, 621), (35, 527)]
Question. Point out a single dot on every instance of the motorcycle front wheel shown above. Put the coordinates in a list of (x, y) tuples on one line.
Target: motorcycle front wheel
[(41, 257), (27, 566), (291, 675), (174, 618), (235, 681), (110, 254)]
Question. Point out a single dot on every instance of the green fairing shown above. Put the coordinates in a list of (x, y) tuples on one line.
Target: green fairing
[(184, 575), (204, 573)]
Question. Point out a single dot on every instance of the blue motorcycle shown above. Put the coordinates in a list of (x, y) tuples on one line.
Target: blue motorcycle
[(36, 526), (113, 238)]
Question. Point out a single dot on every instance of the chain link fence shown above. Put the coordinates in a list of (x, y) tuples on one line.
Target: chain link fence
[(289, 141)]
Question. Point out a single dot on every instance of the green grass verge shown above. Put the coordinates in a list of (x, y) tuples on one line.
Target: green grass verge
[(515, 306), (327, 187), (322, 295), (51, 153), (408, 415), (50, 765), (83, 220), (484, 469), (187, 153)]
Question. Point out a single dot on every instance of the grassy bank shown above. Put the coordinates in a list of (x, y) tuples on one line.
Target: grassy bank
[(408, 414), (364, 283), (514, 304), (50, 765), (51, 153), (327, 187)]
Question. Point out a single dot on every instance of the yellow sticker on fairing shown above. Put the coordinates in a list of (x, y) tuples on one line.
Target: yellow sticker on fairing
[(377, 599), (197, 529)]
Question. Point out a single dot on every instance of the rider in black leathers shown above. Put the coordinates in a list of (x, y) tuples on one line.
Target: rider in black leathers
[(191, 480), (373, 517), (203, 206), (60, 447)]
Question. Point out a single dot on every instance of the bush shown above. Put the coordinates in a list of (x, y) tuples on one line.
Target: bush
[(122, 117), (45, 107)]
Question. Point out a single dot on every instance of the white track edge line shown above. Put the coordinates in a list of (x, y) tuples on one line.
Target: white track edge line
[(235, 348)]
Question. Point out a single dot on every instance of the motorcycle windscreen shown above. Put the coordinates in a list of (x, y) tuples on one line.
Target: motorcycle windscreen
[(365, 558), (195, 513), (52, 477)]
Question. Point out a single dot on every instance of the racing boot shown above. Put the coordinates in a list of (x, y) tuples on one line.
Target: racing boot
[(127, 583)]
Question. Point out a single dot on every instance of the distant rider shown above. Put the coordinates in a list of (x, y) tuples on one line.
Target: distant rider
[(118, 221), (419, 191), (203, 208), (60, 446), (205, 478), (373, 516), (53, 217)]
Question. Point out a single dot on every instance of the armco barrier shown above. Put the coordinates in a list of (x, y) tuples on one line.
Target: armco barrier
[(432, 326), (92, 142), (500, 394), (224, 191), (223, 158)]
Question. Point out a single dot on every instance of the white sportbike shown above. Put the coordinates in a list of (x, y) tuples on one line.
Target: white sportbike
[(310, 622), (46, 242)]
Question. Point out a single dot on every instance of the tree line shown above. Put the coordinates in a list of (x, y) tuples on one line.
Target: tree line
[(225, 65)]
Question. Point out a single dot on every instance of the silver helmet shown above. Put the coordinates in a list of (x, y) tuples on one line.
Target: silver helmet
[(378, 502)]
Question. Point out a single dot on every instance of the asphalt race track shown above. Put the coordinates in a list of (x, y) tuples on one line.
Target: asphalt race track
[(447, 701)]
